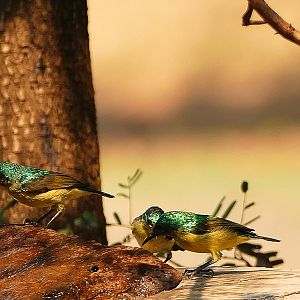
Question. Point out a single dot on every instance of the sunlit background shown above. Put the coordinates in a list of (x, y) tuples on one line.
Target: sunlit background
[(199, 103)]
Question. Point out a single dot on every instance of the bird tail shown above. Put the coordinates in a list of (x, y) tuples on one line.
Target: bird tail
[(94, 191), (266, 238), (104, 194)]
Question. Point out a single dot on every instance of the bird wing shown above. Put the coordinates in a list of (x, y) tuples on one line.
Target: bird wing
[(53, 181), (215, 224)]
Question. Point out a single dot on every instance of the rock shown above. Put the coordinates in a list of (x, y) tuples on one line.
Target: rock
[(39, 263)]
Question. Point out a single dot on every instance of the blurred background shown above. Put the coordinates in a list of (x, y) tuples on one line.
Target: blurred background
[(199, 103)]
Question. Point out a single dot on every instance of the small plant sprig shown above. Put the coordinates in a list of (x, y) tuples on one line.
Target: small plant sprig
[(244, 188), (131, 181), (119, 223), (250, 249), (127, 194), (228, 209)]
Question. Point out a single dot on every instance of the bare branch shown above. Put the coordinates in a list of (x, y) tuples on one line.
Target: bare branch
[(270, 17), (247, 17)]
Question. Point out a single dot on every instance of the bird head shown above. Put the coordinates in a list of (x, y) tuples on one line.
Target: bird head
[(149, 217), (142, 225), (152, 214), (161, 227), (5, 169)]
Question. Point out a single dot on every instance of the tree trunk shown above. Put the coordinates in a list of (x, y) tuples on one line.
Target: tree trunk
[(47, 110)]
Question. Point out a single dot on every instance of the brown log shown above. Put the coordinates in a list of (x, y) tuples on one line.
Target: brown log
[(39, 263)]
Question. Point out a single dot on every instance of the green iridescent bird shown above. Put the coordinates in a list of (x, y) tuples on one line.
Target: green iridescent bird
[(142, 227), (42, 188), (202, 234)]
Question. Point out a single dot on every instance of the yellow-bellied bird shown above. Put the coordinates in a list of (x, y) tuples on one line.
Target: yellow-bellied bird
[(42, 188), (203, 234)]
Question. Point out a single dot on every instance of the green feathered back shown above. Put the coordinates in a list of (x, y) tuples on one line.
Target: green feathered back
[(37, 180), (200, 224), (17, 173)]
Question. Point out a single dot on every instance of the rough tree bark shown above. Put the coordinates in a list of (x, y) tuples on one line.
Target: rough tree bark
[(47, 110)]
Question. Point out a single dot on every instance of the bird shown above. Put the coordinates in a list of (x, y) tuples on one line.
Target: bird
[(42, 188), (202, 234), (141, 228)]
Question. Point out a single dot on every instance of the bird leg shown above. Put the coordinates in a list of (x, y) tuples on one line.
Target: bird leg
[(189, 273), (46, 215), (169, 256), (60, 207), (38, 222)]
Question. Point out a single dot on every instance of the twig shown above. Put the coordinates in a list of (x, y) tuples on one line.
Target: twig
[(270, 17), (244, 188), (247, 17)]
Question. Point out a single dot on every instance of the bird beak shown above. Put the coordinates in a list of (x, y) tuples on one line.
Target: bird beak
[(149, 238)]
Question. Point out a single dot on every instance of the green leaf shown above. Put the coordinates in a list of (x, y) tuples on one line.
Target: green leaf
[(130, 178), (252, 220), (127, 238), (117, 218), (125, 186), (219, 206), (229, 209), (136, 176), (123, 195), (249, 205)]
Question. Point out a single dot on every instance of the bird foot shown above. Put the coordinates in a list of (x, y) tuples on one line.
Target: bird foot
[(32, 223), (190, 273)]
